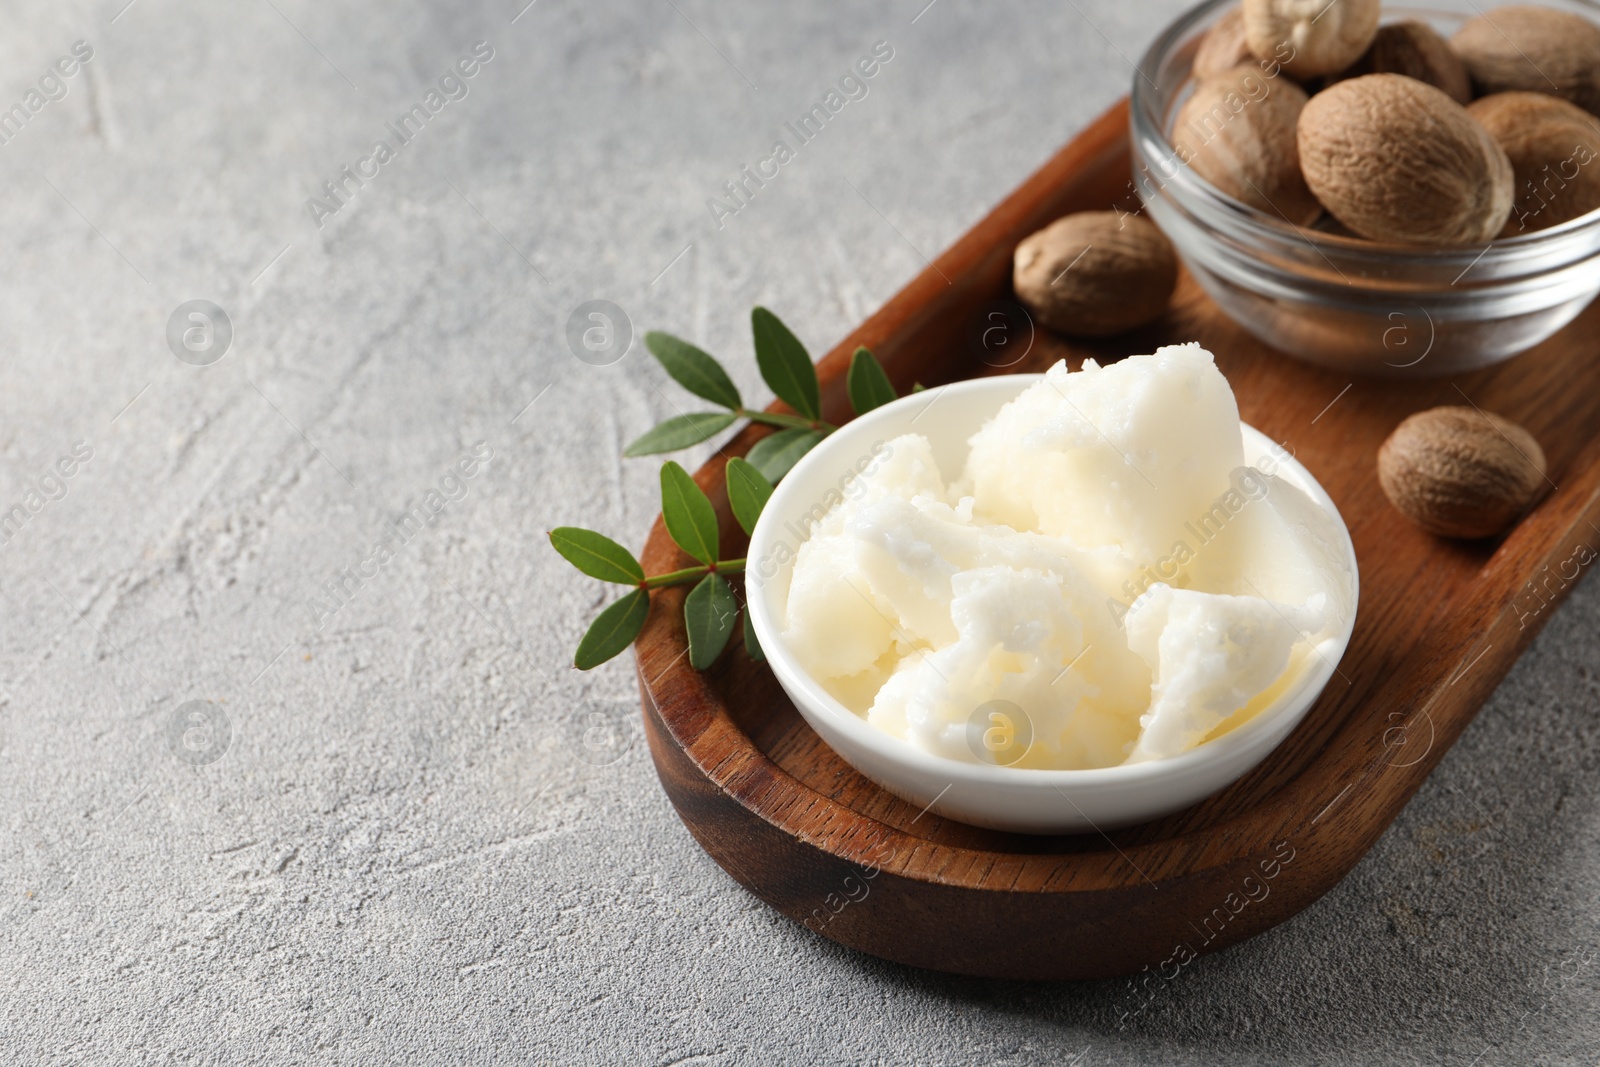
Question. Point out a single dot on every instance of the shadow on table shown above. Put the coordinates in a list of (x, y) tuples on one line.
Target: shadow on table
[(1467, 935)]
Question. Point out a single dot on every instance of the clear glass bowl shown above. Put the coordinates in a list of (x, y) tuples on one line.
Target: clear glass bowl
[(1342, 302)]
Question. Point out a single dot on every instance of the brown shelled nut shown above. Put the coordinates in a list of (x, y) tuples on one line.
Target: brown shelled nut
[(1310, 37), (1096, 273), (1416, 50), (1397, 160), (1535, 49), (1223, 47), (1328, 224), (1237, 130), (1554, 148), (1461, 472)]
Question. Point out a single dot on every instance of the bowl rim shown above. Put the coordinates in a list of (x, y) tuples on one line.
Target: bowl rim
[(812, 699), (1146, 124)]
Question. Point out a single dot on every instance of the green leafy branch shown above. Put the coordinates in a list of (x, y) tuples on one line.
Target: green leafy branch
[(711, 609), (786, 368)]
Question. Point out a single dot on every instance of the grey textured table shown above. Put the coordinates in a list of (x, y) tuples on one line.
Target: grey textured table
[(407, 851)]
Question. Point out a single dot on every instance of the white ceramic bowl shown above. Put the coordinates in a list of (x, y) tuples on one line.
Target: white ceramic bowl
[(1004, 798)]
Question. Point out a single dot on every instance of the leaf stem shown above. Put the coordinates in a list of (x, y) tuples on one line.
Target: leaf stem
[(796, 422), (689, 574), (683, 577)]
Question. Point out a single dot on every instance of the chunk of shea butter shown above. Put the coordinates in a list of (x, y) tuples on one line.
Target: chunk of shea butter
[(1119, 456), (1211, 654), (884, 580), (910, 612), (841, 619), (919, 604), (1024, 636), (1270, 540)]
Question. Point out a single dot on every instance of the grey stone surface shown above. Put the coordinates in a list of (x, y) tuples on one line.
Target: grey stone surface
[(406, 852)]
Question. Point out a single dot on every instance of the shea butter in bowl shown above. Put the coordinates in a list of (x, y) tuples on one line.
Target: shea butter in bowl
[(1054, 603)]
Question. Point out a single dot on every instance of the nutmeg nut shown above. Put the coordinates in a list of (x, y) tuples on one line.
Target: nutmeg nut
[(1310, 37), (1096, 273), (1533, 49), (1223, 47), (1416, 50), (1328, 224), (1554, 148), (1461, 472), (1397, 160), (1237, 130)]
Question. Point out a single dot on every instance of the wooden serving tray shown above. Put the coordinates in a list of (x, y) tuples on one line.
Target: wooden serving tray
[(1440, 624)]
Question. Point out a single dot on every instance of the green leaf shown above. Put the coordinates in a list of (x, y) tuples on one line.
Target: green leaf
[(785, 365), (748, 490), (918, 387), (688, 514), (775, 456), (708, 613), (613, 631), (868, 385), (681, 431), (752, 647), (694, 369), (597, 555)]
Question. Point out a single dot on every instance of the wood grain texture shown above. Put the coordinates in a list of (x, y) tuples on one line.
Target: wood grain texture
[(1440, 624)]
